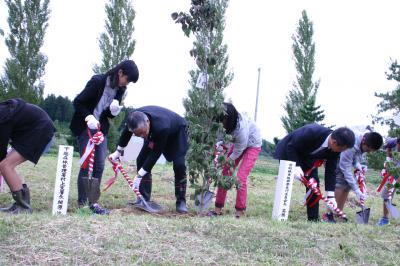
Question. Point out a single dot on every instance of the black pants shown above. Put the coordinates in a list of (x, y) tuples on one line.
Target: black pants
[(313, 212), (179, 171), (98, 165)]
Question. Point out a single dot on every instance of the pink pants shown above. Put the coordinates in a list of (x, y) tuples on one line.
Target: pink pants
[(248, 158)]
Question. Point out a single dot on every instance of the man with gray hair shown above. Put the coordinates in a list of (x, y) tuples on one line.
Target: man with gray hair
[(164, 132)]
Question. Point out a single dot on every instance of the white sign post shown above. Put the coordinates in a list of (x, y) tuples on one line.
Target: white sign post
[(63, 177), (283, 190), (2, 184)]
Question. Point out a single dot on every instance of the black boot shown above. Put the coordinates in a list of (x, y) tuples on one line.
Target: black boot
[(180, 194), (26, 197), (22, 200), (145, 186)]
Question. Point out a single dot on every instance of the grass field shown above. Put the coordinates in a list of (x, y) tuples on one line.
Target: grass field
[(131, 237)]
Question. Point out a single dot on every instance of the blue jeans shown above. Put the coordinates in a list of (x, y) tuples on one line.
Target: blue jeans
[(98, 165)]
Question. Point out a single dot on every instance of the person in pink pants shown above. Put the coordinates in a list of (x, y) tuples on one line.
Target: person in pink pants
[(243, 153)]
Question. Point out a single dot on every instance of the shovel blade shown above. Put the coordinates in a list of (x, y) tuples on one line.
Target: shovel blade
[(148, 206), (392, 210), (203, 200), (362, 217)]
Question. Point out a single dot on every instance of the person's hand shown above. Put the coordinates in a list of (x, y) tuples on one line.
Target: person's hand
[(387, 160), (361, 197), (362, 168), (92, 122), (115, 108), (298, 173), (136, 181), (219, 146), (331, 201), (114, 157)]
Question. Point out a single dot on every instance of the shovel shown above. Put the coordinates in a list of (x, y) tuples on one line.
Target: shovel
[(148, 206), (392, 209), (141, 203), (362, 216), (203, 200)]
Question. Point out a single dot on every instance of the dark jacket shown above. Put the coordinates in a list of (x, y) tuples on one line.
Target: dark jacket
[(167, 135), (298, 146), (26, 126), (86, 102)]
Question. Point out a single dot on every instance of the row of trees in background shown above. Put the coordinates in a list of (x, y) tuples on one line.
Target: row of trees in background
[(23, 71), (300, 103)]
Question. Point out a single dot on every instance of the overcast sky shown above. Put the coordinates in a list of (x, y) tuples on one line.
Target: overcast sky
[(354, 43)]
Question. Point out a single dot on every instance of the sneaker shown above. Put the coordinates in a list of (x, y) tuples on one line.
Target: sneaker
[(213, 213), (328, 217), (97, 209), (383, 221), (239, 214)]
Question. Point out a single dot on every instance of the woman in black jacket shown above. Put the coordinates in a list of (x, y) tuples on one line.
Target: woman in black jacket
[(99, 101), (30, 131)]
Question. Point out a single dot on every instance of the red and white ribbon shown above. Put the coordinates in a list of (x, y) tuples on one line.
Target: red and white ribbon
[(385, 176), (118, 166), (87, 158), (313, 185), (361, 184)]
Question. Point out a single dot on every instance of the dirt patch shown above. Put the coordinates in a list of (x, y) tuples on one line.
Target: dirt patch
[(169, 214)]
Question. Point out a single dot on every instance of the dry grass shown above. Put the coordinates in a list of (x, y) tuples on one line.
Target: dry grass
[(129, 236)]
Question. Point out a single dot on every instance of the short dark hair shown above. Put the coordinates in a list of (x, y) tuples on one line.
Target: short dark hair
[(344, 137), (398, 140), (231, 117), (373, 140), (128, 68), (136, 119)]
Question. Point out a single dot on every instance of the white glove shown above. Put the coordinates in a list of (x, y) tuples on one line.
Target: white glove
[(218, 146), (388, 159), (114, 157), (298, 173), (136, 181), (361, 196), (92, 122), (331, 204), (362, 168), (115, 108)]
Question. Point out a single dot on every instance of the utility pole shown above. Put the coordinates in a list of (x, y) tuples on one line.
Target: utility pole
[(258, 88)]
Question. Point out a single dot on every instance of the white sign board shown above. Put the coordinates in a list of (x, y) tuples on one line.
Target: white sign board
[(2, 184), (283, 190), (63, 177), (133, 148)]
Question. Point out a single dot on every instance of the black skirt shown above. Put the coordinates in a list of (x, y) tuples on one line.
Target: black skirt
[(27, 127)]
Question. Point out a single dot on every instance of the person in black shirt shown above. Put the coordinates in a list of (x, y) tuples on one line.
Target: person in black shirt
[(99, 101), (30, 131)]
